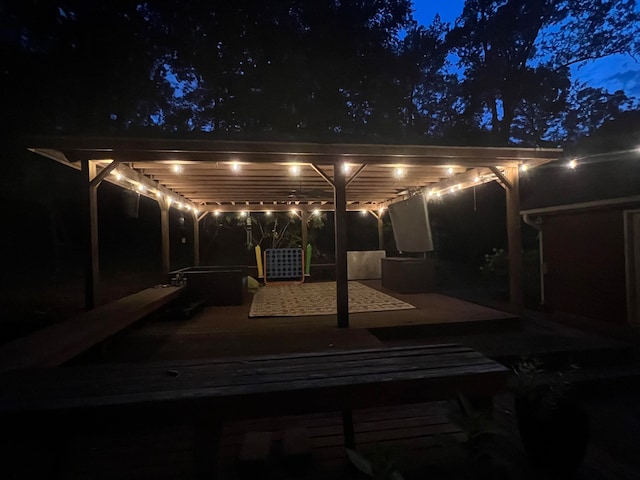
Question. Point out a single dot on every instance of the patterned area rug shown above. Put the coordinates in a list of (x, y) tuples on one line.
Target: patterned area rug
[(299, 300)]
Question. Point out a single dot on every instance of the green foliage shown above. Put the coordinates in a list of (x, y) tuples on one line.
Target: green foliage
[(540, 389), (496, 263)]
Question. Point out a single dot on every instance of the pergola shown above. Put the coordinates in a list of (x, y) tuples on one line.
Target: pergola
[(204, 177)]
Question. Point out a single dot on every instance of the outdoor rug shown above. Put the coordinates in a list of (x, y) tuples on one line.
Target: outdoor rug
[(297, 300)]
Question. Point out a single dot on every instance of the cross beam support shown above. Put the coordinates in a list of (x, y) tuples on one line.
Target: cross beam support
[(91, 247)]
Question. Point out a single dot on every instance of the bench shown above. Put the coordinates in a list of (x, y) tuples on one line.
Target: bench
[(59, 343), (208, 392)]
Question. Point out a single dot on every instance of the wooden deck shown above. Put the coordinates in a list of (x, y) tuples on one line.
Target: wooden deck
[(228, 331)]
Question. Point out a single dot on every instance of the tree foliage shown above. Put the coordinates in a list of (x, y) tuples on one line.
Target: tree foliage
[(311, 69), (515, 56)]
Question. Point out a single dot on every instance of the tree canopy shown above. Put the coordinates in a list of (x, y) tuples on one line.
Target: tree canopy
[(312, 69)]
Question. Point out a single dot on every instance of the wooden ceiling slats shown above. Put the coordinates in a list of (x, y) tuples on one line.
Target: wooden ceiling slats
[(264, 174)]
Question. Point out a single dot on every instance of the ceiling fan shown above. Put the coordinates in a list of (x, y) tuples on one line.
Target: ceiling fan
[(307, 194)]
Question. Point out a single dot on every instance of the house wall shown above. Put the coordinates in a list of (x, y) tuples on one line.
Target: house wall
[(585, 263)]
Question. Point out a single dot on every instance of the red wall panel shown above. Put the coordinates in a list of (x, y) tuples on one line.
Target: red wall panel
[(584, 253)]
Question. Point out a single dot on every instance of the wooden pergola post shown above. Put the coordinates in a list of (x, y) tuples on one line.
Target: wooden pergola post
[(90, 181), (196, 239), (91, 250), (164, 232), (378, 217), (510, 181), (514, 239), (304, 231), (342, 286)]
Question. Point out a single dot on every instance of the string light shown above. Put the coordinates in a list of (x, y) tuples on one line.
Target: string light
[(346, 168), (177, 168), (476, 179), (243, 213), (398, 173), (524, 167), (294, 169), (316, 212), (196, 211), (235, 166), (268, 213), (450, 171), (439, 195), (293, 211), (169, 200), (573, 164), (118, 176), (363, 212), (179, 205), (141, 188), (216, 213), (381, 210), (452, 189)]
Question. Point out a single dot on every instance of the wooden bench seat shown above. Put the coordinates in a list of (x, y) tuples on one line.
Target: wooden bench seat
[(58, 343), (210, 392)]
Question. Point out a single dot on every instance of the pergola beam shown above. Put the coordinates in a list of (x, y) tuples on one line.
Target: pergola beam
[(134, 149)]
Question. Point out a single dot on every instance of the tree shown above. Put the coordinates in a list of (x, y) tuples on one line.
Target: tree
[(515, 56), (591, 109), (75, 66), (427, 103), (303, 67)]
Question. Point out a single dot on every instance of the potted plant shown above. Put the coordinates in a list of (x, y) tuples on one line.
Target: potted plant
[(553, 426)]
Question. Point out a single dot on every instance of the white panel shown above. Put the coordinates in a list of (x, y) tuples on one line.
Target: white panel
[(364, 265)]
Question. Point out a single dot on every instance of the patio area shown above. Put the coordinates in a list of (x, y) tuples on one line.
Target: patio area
[(229, 331)]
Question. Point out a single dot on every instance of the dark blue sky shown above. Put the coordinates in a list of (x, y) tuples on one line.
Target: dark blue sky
[(618, 72)]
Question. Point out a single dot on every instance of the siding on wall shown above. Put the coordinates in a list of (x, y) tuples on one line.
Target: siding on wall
[(584, 253)]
